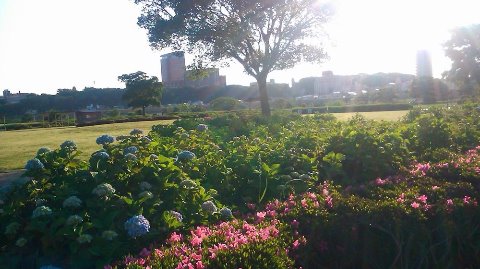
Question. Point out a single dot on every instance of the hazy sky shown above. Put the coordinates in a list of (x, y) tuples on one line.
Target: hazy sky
[(51, 44)]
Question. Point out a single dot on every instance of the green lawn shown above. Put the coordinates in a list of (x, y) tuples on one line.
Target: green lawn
[(19, 146), (377, 115)]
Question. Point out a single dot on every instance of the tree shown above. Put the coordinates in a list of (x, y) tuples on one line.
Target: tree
[(141, 90), (262, 35), (463, 49)]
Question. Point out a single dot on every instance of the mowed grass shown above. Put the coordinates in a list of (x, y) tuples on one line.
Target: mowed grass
[(377, 115), (17, 147)]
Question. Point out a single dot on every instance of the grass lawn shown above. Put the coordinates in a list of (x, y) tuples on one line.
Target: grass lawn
[(17, 147), (377, 115)]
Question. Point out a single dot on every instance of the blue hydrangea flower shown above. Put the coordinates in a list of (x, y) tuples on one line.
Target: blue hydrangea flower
[(43, 150), (188, 184), (104, 190), (136, 132), (226, 213), (185, 155), (49, 267), (74, 220), (177, 215), (105, 139), (68, 145), (130, 157), (209, 207), (145, 186), (131, 149), (109, 235), (12, 228), (137, 226), (100, 155), (34, 164), (146, 140), (41, 211), (21, 242), (84, 238), (72, 202), (202, 127)]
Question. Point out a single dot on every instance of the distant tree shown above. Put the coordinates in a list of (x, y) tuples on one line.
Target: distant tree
[(141, 90), (262, 35), (463, 49), (224, 103)]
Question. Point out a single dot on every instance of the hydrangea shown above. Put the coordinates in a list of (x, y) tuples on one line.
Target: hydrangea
[(41, 211), (202, 127), (136, 132), (146, 140), (185, 155), (34, 164), (72, 201), (137, 226), (177, 215), (226, 213), (104, 190), (131, 149), (145, 186), (68, 145), (188, 183), (49, 267), (109, 235), (21, 242), (105, 139), (84, 238), (74, 220), (101, 155), (12, 228), (130, 157), (145, 194), (40, 201), (209, 207), (43, 150)]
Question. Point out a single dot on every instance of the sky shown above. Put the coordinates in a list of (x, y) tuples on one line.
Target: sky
[(51, 44)]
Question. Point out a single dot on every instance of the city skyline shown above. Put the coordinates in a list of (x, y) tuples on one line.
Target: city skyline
[(50, 45)]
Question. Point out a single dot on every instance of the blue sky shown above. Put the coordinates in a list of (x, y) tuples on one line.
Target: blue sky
[(51, 44)]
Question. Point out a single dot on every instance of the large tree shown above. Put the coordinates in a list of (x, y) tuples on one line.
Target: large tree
[(463, 49), (262, 35), (141, 90)]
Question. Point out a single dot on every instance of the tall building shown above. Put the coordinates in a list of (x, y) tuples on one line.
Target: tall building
[(173, 69), (175, 74), (424, 64)]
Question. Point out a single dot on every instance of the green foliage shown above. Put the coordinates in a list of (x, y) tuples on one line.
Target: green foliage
[(225, 103), (141, 90)]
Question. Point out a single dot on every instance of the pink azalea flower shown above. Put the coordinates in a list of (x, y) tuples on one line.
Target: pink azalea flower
[(304, 202), (449, 202), (415, 205), (295, 244), (466, 200), (435, 188), (261, 216), (329, 202), (423, 198), (199, 265)]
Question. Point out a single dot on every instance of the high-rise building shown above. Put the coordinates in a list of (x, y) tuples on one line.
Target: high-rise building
[(173, 69), (424, 64), (175, 74)]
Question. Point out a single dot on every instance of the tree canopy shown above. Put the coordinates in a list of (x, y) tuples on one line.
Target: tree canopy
[(263, 35), (463, 49), (141, 90)]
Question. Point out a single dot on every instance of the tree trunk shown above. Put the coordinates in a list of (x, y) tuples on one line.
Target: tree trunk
[(262, 87)]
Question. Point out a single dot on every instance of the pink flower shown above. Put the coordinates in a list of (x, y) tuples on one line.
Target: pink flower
[(422, 198), (435, 188), (466, 200), (380, 182), (199, 265), (261, 216), (304, 202), (415, 205), (196, 241), (295, 244), (174, 237), (329, 202), (401, 198), (449, 202), (251, 206)]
